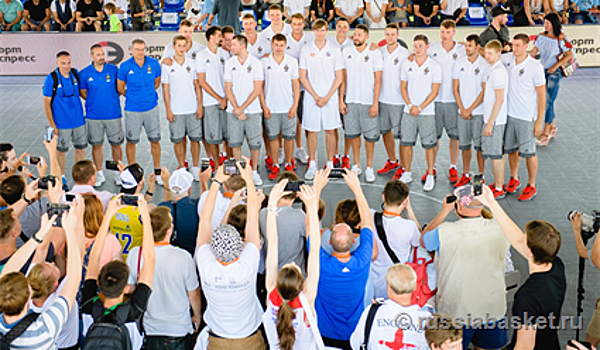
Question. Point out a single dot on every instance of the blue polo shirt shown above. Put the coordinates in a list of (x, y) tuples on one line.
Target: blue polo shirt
[(140, 95), (187, 222), (102, 101), (67, 110)]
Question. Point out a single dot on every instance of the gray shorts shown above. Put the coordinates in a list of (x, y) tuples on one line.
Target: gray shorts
[(446, 116), (76, 135), (251, 128), (357, 121), (519, 137), (491, 147), (149, 120), (389, 118), (470, 132), (214, 124), (422, 125), (186, 124), (279, 123), (113, 128)]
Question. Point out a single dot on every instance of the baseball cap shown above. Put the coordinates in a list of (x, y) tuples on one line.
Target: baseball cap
[(500, 10), (131, 177), (226, 243), (181, 181)]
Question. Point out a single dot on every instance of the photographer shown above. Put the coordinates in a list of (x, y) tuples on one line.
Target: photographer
[(593, 331), (471, 255)]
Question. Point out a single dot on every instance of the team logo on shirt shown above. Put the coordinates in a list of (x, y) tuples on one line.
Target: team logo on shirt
[(92, 79), (286, 68), (462, 69), (208, 60), (349, 57), (434, 54), (222, 60), (107, 78), (188, 69), (249, 69), (328, 54), (455, 56), (395, 61), (366, 58), (260, 49), (172, 70), (477, 71), (312, 54), (130, 72), (426, 71), (233, 69), (149, 70), (288, 48), (193, 55), (410, 69), (268, 67), (522, 71)]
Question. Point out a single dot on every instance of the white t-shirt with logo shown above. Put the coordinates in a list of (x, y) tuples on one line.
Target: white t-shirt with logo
[(402, 236), (295, 47), (260, 47), (182, 87), (497, 78), (446, 60), (349, 7), (233, 308), (269, 33), (242, 77), (192, 53), (470, 78), (523, 79), (390, 79), (279, 77), (213, 65), (333, 41), (385, 332), (420, 80), (321, 66), (360, 74)]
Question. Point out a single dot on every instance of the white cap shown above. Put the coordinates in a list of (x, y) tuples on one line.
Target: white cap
[(180, 182)]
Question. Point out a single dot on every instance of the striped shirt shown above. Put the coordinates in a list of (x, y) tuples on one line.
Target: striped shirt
[(42, 333)]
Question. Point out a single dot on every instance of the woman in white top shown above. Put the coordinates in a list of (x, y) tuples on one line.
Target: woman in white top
[(289, 320)]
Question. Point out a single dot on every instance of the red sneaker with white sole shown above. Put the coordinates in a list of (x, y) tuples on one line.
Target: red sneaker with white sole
[(453, 175), (398, 173), (513, 185), (336, 161), (464, 180), (222, 158), (497, 194), (388, 167), (275, 170), (528, 193), (424, 177), (269, 162)]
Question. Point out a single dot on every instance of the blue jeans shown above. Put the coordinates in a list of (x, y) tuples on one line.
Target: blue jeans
[(552, 86), (168, 343)]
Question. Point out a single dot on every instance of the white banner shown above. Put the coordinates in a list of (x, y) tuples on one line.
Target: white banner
[(34, 54)]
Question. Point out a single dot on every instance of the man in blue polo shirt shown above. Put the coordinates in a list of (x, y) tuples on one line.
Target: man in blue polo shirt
[(343, 275), (64, 110), (102, 109), (138, 79)]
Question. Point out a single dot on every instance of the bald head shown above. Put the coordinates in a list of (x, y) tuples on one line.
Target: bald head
[(342, 238)]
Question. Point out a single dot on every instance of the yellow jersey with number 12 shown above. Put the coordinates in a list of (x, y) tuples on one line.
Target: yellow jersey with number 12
[(126, 225)]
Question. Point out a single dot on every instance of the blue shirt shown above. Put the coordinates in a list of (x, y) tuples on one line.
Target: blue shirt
[(431, 239), (549, 49), (584, 5), (102, 102), (206, 7), (186, 222), (339, 303), (140, 95), (67, 110)]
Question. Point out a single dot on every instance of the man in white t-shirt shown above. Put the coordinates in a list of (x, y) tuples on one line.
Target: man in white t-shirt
[(192, 47), (257, 47), (176, 288), (420, 84), (401, 234), (278, 26), (391, 103), (210, 65), (351, 9), (450, 7), (445, 52), (232, 185), (280, 101), (398, 324), (526, 107), (292, 7), (361, 90), (243, 84), (468, 84), (64, 20), (228, 268), (183, 104), (321, 74), (494, 115), (375, 11)]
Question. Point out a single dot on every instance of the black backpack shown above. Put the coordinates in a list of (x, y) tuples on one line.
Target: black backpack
[(17, 330), (55, 83), (108, 331)]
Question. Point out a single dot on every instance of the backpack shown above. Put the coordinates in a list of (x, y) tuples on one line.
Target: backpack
[(17, 330), (105, 334), (54, 76), (422, 291)]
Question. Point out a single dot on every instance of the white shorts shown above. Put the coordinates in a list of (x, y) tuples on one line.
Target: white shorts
[(316, 119)]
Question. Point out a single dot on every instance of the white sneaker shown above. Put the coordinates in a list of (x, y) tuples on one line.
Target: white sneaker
[(196, 173), (159, 180), (256, 178), (301, 155), (356, 169), (118, 179), (369, 175), (100, 179), (281, 158), (311, 171), (429, 183), (406, 178)]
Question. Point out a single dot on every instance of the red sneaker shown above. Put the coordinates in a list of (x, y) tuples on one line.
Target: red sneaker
[(222, 158), (464, 180), (498, 194), (269, 162), (398, 173), (345, 162), (289, 167), (186, 164), (336, 161), (212, 165), (528, 193), (274, 172), (424, 177), (388, 167), (453, 175), (513, 185)]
